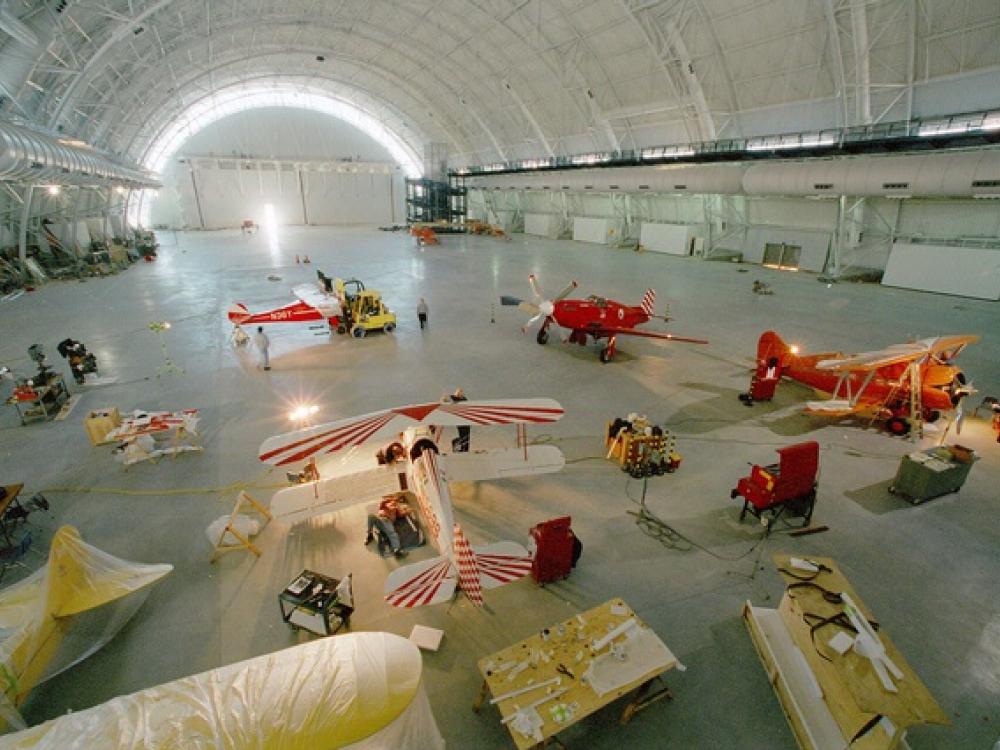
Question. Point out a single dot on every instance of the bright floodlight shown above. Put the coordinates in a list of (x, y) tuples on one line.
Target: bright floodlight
[(53, 189), (300, 413), (794, 348)]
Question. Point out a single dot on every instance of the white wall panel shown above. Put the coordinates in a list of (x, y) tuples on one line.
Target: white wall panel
[(543, 225), (350, 198), (228, 196), (964, 271), (666, 238), (586, 229)]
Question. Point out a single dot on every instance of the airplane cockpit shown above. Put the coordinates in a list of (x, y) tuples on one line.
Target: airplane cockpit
[(599, 301)]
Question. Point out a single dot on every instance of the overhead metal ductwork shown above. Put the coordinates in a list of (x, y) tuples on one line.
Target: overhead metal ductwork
[(963, 174), (680, 178), (33, 157)]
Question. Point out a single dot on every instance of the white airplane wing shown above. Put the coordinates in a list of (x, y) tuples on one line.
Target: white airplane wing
[(301, 445), (427, 582), (302, 501), (950, 346), (501, 464), (327, 304)]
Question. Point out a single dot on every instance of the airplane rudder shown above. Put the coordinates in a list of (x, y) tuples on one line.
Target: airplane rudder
[(772, 345)]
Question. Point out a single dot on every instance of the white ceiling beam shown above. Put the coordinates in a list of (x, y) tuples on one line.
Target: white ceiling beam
[(661, 43), (836, 58), (539, 133), (862, 63)]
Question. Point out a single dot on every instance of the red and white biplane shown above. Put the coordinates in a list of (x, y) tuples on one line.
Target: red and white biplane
[(597, 317), (313, 304), (425, 472)]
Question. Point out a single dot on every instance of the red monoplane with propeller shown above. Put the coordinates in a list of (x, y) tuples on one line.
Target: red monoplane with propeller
[(596, 317)]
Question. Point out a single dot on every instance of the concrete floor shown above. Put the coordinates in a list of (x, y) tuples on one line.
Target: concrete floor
[(929, 572)]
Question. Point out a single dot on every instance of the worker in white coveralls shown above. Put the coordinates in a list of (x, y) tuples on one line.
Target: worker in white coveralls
[(262, 342)]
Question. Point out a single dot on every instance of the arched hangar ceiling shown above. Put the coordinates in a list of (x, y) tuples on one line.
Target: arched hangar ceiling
[(502, 79)]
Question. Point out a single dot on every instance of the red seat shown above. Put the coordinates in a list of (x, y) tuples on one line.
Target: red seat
[(556, 550), (788, 486)]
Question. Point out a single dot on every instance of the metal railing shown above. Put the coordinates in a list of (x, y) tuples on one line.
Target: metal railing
[(959, 130)]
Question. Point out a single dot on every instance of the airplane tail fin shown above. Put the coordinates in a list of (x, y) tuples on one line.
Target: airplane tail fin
[(475, 569), (649, 302), (771, 345), (426, 582), (237, 312)]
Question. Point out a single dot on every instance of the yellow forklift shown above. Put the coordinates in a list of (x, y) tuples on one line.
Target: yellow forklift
[(363, 309)]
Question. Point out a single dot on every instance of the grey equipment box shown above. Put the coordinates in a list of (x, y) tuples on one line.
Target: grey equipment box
[(933, 472)]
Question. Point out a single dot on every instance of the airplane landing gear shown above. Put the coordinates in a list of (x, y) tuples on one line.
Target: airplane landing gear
[(608, 352), (898, 426), (543, 335)]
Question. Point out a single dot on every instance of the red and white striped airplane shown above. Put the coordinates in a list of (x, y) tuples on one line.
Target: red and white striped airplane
[(425, 472), (313, 304)]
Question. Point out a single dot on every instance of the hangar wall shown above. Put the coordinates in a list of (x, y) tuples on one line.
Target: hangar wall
[(309, 167), (842, 213)]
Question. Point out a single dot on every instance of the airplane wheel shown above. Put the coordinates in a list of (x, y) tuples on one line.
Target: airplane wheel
[(605, 355), (898, 426), (341, 330), (542, 337), (932, 415), (358, 332), (389, 327)]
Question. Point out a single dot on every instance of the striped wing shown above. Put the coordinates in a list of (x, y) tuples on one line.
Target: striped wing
[(428, 582), (301, 445), (501, 563)]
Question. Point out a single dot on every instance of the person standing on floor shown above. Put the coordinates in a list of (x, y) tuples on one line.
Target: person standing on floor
[(422, 311), (262, 342), (461, 443)]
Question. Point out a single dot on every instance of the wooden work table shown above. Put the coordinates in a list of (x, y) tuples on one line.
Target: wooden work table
[(564, 652), (833, 700)]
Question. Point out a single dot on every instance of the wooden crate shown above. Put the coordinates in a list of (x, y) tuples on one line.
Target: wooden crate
[(100, 422)]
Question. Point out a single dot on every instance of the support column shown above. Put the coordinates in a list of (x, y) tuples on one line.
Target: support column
[(22, 238)]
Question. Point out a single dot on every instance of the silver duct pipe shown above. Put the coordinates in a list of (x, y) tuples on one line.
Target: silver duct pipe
[(959, 174), (31, 156)]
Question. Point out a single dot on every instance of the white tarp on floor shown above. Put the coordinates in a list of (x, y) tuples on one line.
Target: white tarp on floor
[(64, 612), (360, 691)]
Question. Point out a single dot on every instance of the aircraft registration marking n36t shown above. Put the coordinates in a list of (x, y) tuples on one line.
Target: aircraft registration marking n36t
[(597, 317), (425, 473), (902, 384), (313, 304)]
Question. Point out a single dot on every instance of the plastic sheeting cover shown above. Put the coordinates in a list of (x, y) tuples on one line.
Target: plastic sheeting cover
[(65, 611), (331, 693)]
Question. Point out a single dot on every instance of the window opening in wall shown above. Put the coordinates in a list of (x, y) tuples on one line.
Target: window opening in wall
[(782, 257)]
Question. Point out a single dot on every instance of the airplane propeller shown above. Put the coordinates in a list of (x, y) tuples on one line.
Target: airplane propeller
[(541, 307)]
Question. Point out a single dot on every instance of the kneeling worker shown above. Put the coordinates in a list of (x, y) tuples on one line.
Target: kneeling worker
[(389, 510)]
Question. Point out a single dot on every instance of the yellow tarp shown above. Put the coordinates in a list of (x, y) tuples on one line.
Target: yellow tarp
[(39, 615), (360, 691)]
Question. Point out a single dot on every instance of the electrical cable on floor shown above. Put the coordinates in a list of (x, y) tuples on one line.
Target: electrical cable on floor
[(656, 528), (221, 490)]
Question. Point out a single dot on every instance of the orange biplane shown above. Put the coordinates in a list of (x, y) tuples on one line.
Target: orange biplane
[(904, 384)]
